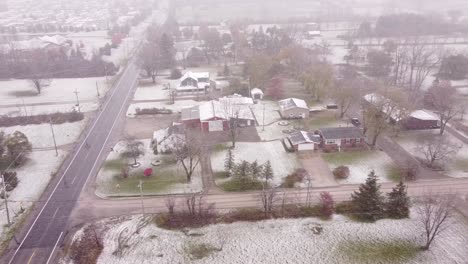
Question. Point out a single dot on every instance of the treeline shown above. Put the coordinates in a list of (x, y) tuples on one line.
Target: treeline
[(401, 25), (52, 64)]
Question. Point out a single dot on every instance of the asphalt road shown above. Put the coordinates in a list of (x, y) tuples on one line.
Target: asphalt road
[(47, 224)]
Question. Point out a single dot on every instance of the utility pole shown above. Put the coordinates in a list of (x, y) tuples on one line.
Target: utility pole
[(141, 196), (5, 199), (97, 89), (263, 129), (77, 99), (53, 136)]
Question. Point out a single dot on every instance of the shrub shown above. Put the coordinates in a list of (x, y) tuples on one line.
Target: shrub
[(56, 118), (242, 184), (175, 74), (249, 215), (88, 248), (297, 176), (11, 181), (153, 111), (344, 208), (341, 172), (327, 205)]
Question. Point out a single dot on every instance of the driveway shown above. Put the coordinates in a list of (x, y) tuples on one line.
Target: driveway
[(317, 168)]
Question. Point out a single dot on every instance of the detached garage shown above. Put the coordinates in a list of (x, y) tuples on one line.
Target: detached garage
[(304, 141)]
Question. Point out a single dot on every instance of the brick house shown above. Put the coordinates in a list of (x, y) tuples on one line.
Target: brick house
[(341, 138)]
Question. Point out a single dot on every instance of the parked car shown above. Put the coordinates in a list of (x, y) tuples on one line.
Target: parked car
[(355, 122)]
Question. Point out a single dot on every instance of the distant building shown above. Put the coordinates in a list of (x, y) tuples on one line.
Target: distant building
[(194, 82), (293, 108), (257, 94), (303, 141)]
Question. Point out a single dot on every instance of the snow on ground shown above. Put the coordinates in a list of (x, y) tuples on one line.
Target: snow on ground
[(360, 164), (176, 107), (156, 91), (281, 241), (273, 131), (283, 163), (160, 183), (24, 110), (33, 178), (270, 108), (40, 136), (456, 167), (20, 92)]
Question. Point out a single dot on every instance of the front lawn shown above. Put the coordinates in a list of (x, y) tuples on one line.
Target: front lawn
[(361, 163)]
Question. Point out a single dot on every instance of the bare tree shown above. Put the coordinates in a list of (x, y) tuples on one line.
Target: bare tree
[(188, 152), (267, 196), (38, 83), (435, 213), (149, 60), (345, 93), (446, 102), (437, 150), (170, 203), (134, 149)]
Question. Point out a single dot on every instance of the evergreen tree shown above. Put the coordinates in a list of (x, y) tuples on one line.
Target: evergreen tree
[(267, 171), (368, 201), (397, 205), (167, 51), (255, 169), (229, 162), (242, 170)]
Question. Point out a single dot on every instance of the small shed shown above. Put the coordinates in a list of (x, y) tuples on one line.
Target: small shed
[(256, 94), (421, 119)]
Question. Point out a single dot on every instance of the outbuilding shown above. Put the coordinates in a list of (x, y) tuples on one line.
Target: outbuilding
[(293, 108), (256, 94)]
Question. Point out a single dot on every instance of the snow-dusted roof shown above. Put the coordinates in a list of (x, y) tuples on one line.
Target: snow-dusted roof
[(292, 103), (201, 75), (300, 137), (341, 132), (168, 137), (256, 91), (216, 109), (57, 39), (212, 109), (424, 115), (236, 99)]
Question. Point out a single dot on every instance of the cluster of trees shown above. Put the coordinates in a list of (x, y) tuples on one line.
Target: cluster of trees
[(14, 147), (247, 170), (405, 24), (42, 64), (454, 67)]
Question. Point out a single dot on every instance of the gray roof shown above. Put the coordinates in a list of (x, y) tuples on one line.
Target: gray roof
[(190, 113), (340, 132), (300, 137)]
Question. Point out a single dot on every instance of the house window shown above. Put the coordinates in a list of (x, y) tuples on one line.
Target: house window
[(358, 140), (330, 142), (348, 141)]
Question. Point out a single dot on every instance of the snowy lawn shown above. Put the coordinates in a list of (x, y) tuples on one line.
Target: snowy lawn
[(176, 107), (19, 92), (456, 167), (40, 136), (283, 163), (148, 91), (33, 178), (361, 163), (168, 177), (284, 241)]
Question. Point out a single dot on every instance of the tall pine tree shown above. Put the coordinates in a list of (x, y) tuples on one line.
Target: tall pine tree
[(368, 201), (397, 205), (229, 162), (267, 171)]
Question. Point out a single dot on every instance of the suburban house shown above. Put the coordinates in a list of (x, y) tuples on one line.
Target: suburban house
[(418, 119), (293, 108), (217, 115), (256, 94), (194, 82), (421, 119), (303, 140), (165, 139), (341, 138)]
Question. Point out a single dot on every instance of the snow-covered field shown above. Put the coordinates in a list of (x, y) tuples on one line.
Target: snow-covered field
[(108, 185), (176, 107), (24, 110), (283, 163), (456, 167), (281, 241), (360, 164), (16, 93), (40, 136), (270, 108), (33, 178)]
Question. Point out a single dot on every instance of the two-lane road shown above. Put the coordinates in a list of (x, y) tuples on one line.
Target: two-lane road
[(48, 223)]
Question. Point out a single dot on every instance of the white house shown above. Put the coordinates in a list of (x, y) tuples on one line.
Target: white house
[(292, 108), (194, 82)]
